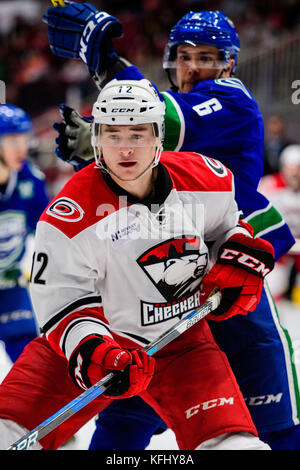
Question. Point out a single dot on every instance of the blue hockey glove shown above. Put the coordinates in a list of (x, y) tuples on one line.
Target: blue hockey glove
[(73, 144), (79, 31)]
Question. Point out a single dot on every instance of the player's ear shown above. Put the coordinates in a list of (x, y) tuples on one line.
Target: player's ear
[(228, 72)]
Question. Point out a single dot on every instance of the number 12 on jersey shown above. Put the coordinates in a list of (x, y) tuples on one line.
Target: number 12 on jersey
[(42, 260)]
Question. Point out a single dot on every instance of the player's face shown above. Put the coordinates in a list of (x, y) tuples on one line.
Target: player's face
[(128, 152), (197, 63), (291, 174), (14, 150)]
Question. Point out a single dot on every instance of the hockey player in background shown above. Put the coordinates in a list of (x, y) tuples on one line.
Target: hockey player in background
[(22, 200), (283, 190), (162, 228), (208, 111)]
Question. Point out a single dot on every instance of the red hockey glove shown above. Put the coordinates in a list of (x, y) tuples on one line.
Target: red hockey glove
[(242, 264), (95, 357)]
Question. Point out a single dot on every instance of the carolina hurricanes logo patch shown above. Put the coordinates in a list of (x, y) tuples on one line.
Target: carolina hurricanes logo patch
[(215, 166), (175, 267), (65, 209)]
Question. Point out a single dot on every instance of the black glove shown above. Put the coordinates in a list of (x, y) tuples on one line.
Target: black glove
[(74, 138)]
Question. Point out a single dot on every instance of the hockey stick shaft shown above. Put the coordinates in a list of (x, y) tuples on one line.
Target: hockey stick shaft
[(100, 387)]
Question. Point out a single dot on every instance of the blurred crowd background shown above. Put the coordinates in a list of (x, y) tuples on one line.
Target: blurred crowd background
[(38, 81)]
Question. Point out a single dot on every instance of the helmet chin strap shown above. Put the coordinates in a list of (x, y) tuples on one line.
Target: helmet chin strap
[(224, 69), (174, 87)]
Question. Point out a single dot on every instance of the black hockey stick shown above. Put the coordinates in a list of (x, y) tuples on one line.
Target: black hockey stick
[(100, 387)]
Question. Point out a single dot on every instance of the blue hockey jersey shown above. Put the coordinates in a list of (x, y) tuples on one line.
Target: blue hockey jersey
[(221, 119), (21, 205)]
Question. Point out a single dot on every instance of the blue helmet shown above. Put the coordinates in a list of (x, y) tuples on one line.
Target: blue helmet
[(212, 28), (14, 120)]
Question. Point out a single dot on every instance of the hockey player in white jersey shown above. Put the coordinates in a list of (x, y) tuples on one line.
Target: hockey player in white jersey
[(212, 113), (283, 190), (125, 249)]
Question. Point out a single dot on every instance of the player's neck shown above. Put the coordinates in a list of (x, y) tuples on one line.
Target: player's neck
[(139, 188)]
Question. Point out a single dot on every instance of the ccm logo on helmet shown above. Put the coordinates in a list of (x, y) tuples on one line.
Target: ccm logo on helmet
[(123, 110), (245, 260)]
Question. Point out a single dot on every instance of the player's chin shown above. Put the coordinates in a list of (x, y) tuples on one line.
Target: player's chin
[(127, 168), (17, 165), (187, 86)]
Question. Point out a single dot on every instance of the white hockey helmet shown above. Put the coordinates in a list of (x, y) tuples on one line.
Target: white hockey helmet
[(289, 161), (128, 102), (290, 155)]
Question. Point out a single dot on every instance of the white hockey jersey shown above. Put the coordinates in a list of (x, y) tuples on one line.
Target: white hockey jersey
[(106, 263), (284, 199)]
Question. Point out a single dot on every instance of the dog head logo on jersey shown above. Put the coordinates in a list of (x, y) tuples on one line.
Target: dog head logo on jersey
[(175, 267)]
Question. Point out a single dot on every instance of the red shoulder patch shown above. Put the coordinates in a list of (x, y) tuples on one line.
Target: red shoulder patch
[(82, 202), (192, 171), (66, 209)]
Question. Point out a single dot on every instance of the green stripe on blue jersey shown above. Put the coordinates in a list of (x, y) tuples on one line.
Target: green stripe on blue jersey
[(265, 220), (174, 124)]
